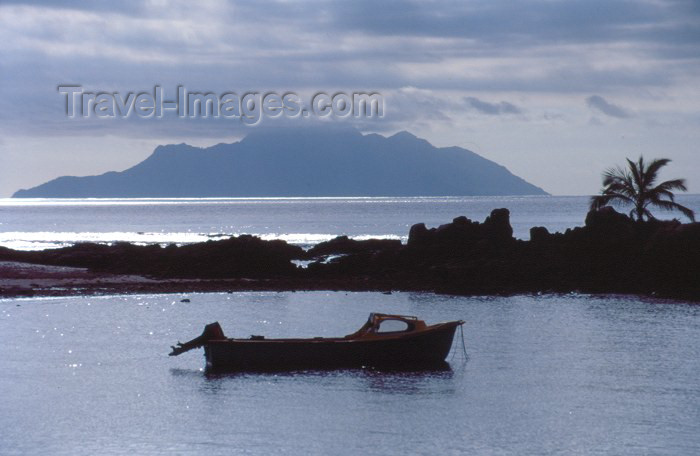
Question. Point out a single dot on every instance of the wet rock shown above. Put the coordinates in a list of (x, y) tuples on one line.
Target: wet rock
[(607, 219), (344, 245), (417, 234), (539, 234), (497, 226), (610, 254)]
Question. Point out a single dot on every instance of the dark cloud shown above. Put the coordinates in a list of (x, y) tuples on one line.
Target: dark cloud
[(474, 48), (486, 23), (601, 104), (526, 23), (372, 38), (127, 7), (492, 109)]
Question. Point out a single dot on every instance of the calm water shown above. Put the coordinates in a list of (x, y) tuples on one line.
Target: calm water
[(545, 375), (30, 224)]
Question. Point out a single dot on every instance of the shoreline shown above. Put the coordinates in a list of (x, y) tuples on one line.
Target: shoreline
[(611, 254), (19, 279), (28, 280)]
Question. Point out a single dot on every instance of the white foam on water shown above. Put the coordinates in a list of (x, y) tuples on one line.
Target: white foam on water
[(42, 240)]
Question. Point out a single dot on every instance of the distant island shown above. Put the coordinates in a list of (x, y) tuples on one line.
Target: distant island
[(298, 163)]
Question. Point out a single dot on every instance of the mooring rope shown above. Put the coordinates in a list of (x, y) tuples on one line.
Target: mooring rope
[(464, 346)]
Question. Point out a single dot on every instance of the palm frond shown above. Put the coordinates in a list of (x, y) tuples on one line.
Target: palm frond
[(652, 171), (612, 175), (598, 201), (674, 184), (608, 197), (635, 169), (621, 188), (659, 193), (672, 206)]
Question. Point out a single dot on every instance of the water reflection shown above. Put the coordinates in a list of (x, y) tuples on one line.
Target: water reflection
[(187, 373), (410, 382), (436, 379), (546, 375)]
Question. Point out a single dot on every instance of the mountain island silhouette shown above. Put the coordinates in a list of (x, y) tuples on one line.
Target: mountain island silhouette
[(299, 163)]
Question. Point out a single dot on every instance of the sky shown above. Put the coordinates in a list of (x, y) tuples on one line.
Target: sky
[(557, 91)]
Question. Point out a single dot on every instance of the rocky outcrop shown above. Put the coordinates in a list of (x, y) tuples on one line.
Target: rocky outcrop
[(342, 245), (609, 254), (496, 229), (242, 256)]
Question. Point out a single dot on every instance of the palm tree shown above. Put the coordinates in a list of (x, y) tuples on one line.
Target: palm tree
[(635, 186)]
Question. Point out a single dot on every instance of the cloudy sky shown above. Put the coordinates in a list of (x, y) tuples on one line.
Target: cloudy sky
[(554, 90)]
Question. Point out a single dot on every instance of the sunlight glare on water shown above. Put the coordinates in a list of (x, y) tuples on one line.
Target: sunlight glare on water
[(571, 374)]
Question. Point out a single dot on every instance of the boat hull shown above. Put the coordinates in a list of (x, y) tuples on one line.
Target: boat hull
[(425, 348)]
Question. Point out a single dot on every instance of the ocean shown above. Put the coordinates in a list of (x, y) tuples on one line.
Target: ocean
[(543, 374), (36, 224)]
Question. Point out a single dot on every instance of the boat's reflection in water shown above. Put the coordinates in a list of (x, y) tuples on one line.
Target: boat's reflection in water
[(435, 378), (409, 381)]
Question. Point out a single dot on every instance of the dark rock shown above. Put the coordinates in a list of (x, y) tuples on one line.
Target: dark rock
[(242, 256), (539, 234), (607, 218), (417, 234), (610, 254), (497, 225), (344, 245), (462, 236)]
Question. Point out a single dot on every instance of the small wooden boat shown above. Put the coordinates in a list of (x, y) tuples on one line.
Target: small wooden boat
[(385, 341)]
